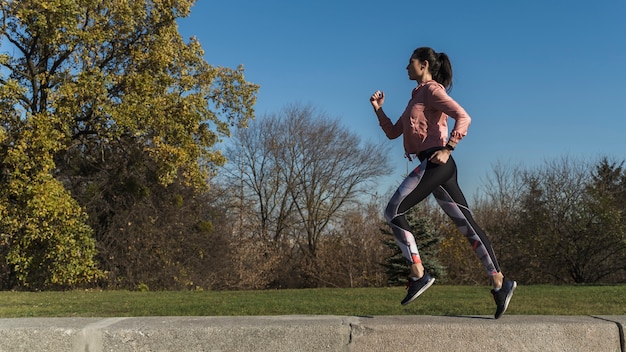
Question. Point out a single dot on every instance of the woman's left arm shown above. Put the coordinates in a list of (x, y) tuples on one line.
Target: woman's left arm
[(441, 101)]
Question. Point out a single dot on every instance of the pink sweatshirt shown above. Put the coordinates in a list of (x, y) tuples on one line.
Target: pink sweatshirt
[(424, 122)]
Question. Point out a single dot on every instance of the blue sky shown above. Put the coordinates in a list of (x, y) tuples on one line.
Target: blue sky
[(541, 79)]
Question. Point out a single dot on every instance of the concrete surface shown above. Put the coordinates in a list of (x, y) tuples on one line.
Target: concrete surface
[(315, 333)]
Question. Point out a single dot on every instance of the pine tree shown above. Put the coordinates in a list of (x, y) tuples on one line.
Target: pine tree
[(427, 239), (396, 265)]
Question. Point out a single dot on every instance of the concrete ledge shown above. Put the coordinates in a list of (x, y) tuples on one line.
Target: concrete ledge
[(315, 333)]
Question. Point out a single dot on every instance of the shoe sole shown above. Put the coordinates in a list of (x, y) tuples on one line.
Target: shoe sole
[(508, 299), (428, 284)]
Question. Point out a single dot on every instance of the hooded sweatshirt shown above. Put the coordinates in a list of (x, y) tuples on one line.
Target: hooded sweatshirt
[(424, 122)]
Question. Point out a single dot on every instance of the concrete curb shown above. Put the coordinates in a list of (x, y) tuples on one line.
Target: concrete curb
[(315, 333)]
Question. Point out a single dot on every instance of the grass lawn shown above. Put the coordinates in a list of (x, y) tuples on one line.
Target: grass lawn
[(438, 300)]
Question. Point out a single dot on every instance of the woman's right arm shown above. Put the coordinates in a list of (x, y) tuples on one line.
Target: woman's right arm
[(391, 130)]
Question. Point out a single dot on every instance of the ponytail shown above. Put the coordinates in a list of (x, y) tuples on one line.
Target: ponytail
[(444, 74)]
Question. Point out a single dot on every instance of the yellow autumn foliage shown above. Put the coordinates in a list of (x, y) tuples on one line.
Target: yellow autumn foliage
[(85, 76)]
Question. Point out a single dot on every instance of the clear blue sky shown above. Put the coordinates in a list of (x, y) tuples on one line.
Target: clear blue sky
[(541, 79)]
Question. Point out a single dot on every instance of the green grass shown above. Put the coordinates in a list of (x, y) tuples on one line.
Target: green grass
[(438, 300)]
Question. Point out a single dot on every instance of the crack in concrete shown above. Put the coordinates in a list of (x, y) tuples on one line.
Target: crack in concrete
[(620, 329), (355, 330), (89, 339)]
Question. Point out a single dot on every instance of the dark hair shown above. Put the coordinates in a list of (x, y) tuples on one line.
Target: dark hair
[(439, 64)]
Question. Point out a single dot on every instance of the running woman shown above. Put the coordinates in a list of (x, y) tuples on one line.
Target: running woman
[(424, 128)]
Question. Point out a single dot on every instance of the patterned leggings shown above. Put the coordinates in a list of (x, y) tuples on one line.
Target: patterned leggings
[(441, 181)]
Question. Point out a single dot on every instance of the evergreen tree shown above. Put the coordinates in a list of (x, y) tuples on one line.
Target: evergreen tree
[(427, 239), (396, 265)]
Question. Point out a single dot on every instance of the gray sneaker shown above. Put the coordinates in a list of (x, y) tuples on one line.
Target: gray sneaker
[(416, 287), (503, 297)]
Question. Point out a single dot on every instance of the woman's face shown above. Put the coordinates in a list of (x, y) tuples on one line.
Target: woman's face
[(416, 69)]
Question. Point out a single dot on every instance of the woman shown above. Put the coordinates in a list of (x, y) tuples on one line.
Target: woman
[(424, 128)]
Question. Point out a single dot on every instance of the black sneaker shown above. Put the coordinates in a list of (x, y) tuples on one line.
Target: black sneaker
[(416, 287), (503, 297)]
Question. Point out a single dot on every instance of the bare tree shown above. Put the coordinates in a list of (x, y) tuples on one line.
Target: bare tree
[(354, 253), (559, 222), (298, 171)]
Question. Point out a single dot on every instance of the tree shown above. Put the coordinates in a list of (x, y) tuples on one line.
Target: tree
[(396, 265), (498, 211), (121, 94), (45, 241), (427, 239), (566, 224), (298, 171), (606, 218), (351, 254)]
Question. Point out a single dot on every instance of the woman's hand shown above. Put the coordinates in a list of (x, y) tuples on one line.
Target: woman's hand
[(440, 156), (377, 100)]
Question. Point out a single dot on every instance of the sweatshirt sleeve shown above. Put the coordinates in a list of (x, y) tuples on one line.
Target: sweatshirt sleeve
[(440, 100), (392, 131)]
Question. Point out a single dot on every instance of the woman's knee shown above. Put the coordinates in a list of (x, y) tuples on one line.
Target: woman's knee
[(391, 212)]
